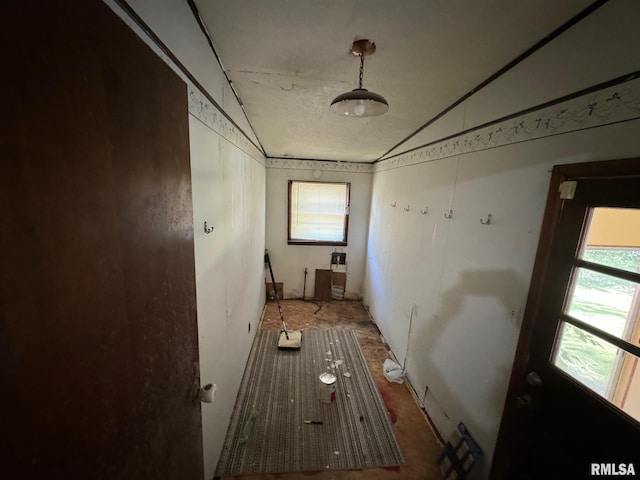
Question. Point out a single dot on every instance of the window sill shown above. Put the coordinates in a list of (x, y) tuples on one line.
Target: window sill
[(312, 242)]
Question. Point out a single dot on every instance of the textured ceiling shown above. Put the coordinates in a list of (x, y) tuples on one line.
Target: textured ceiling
[(288, 59)]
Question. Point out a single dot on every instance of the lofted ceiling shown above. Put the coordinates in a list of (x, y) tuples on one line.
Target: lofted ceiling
[(288, 59)]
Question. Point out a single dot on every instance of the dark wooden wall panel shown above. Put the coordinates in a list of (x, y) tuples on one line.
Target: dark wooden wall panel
[(323, 285), (98, 335)]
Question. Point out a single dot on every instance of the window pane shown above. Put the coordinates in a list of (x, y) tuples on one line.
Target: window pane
[(605, 302), (607, 370), (613, 238), (585, 357), (318, 211)]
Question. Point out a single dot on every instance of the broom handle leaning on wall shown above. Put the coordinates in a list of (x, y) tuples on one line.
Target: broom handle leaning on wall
[(275, 293)]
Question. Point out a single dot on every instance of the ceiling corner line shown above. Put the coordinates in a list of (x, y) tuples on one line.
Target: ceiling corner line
[(581, 15), (174, 62), (205, 32)]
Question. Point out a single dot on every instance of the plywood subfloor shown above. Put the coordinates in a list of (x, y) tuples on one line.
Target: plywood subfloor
[(419, 444)]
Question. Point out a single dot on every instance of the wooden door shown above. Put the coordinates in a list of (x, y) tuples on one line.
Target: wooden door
[(571, 410), (98, 339)]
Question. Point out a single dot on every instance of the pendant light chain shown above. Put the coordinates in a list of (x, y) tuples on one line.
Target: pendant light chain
[(361, 70)]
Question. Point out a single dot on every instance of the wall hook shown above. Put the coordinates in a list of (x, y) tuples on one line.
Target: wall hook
[(393, 204), (425, 210), (448, 215), (487, 222), (407, 208), (207, 229)]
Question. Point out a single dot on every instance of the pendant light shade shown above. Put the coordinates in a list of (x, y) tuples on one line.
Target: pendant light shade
[(360, 102)]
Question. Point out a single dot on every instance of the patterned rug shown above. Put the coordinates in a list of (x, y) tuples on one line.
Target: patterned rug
[(281, 425)]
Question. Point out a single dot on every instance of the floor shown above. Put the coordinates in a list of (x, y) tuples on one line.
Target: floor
[(417, 439)]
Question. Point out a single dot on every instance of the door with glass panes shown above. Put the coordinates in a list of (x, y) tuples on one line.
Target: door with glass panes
[(573, 407)]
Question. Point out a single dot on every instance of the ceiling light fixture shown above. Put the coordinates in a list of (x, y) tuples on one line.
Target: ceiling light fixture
[(360, 102)]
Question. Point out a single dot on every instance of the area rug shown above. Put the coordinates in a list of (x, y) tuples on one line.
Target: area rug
[(280, 423)]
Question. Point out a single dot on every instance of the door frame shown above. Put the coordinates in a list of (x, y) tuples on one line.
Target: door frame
[(508, 439)]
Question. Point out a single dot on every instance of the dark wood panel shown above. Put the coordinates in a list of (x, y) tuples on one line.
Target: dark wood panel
[(98, 328), (323, 285)]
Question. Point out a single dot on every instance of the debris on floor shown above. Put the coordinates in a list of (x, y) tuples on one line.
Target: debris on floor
[(248, 425), (392, 371), (422, 449)]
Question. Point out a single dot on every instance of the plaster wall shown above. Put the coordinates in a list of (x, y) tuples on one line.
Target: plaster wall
[(228, 193), (289, 261), (448, 294)]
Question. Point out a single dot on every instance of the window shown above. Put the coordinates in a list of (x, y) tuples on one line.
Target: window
[(318, 213), (601, 328)]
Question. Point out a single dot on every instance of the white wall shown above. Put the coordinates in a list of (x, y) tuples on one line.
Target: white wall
[(289, 261), (452, 291), (228, 191), (449, 294)]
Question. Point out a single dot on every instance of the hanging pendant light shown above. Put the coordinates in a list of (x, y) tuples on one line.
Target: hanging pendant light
[(360, 102)]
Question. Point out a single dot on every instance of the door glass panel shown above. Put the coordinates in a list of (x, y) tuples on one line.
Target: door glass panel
[(585, 357), (613, 238), (608, 303), (605, 302), (609, 371)]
